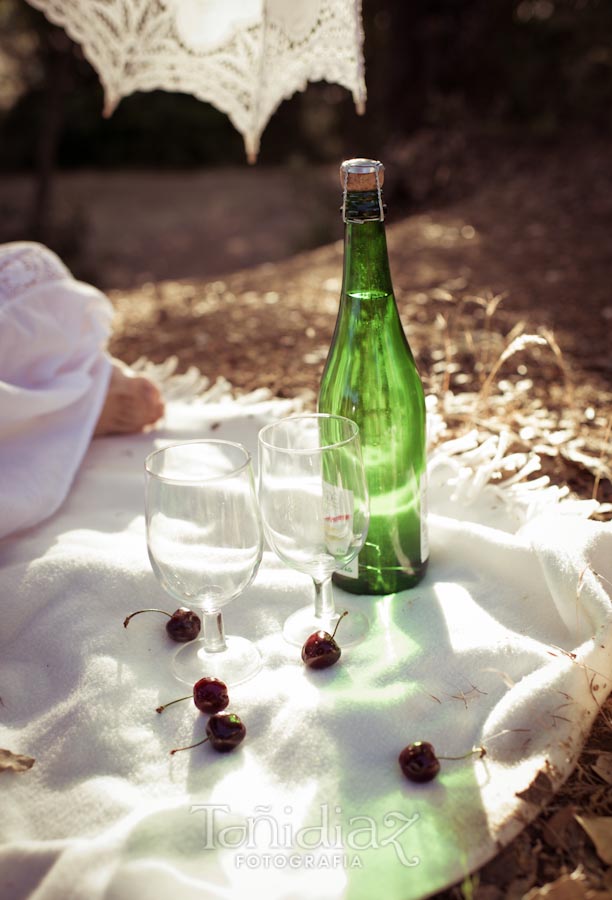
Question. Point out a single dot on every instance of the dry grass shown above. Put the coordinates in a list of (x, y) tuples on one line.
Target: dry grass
[(539, 402)]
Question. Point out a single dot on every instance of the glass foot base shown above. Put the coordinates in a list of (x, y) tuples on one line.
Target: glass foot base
[(301, 624), (239, 662)]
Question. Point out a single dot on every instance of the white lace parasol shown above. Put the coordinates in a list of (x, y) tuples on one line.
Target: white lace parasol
[(243, 56)]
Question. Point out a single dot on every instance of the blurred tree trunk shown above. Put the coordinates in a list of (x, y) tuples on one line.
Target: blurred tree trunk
[(408, 85), (55, 56), (403, 57)]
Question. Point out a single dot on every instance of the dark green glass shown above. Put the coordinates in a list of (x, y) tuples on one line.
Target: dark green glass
[(371, 377)]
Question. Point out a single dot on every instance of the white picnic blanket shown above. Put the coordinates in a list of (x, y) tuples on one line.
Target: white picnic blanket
[(507, 643)]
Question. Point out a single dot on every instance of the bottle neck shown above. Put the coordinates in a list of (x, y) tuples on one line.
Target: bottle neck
[(363, 206), (366, 261)]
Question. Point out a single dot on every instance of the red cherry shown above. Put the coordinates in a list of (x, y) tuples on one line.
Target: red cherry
[(183, 625), (418, 761), (320, 650), (224, 731), (209, 695)]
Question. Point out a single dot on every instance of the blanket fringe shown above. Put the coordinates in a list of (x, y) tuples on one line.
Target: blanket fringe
[(478, 460), (469, 464), (194, 387)]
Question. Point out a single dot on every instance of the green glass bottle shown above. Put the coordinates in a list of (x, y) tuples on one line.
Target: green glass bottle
[(371, 377)]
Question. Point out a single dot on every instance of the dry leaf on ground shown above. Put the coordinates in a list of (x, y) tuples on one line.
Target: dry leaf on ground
[(603, 767), (539, 791), (599, 829), (15, 762), (556, 831), (568, 887)]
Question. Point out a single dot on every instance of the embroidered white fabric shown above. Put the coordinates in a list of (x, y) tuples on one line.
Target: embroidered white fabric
[(243, 56), (23, 265)]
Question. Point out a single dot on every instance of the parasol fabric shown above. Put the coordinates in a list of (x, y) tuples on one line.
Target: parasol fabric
[(243, 56)]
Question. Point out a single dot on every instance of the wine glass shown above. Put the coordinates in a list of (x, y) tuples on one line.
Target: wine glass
[(314, 505), (205, 544)]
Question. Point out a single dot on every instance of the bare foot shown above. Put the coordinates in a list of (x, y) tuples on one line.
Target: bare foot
[(131, 403)]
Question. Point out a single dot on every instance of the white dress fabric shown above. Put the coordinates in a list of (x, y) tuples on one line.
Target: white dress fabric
[(243, 56), (54, 374)]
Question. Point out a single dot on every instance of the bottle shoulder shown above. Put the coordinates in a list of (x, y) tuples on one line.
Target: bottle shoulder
[(373, 351), (367, 319), (370, 363)]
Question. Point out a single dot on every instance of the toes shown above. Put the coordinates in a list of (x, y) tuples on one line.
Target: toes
[(147, 400), (132, 403)]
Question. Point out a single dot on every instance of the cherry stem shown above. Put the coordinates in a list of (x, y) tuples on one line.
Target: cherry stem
[(137, 613), (480, 750), (345, 613), (160, 709), (190, 747)]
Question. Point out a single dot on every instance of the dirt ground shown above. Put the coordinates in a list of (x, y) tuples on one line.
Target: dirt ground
[(505, 291)]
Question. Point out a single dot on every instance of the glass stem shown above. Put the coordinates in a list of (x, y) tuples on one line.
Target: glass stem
[(324, 599), (214, 633)]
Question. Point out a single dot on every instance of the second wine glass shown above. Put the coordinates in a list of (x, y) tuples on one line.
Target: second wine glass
[(314, 505)]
